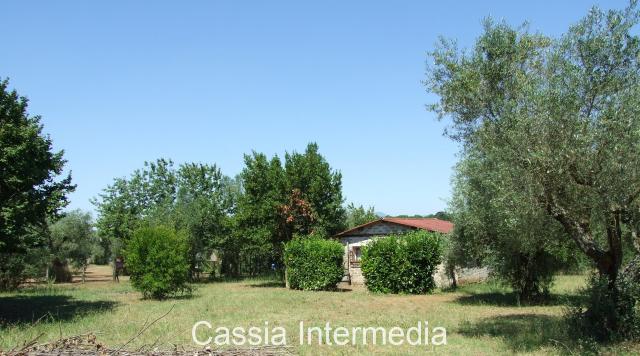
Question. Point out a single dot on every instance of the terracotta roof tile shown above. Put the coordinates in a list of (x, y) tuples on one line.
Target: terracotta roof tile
[(430, 224)]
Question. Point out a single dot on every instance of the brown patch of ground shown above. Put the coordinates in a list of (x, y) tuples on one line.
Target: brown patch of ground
[(96, 273)]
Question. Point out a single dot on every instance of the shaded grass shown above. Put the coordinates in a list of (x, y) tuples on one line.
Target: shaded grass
[(268, 284), (492, 293), (20, 309), (510, 299), (479, 318), (520, 332)]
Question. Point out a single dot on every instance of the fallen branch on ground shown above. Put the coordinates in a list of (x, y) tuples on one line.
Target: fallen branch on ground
[(87, 344)]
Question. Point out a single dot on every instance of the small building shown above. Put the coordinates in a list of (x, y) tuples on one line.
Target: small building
[(354, 239)]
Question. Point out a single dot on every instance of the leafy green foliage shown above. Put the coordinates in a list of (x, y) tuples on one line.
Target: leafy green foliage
[(358, 215), (611, 314), (319, 186), (29, 189), (245, 221), (259, 223), (556, 123), (18, 267), (157, 261), (72, 239), (313, 263), (502, 229), (149, 192), (556, 120), (277, 203), (205, 199), (402, 263), (195, 198)]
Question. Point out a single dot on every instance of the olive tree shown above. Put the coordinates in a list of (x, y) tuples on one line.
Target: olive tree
[(500, 227), (71, 239), (559, 119)]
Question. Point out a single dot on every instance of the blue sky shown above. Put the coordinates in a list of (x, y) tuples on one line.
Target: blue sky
[(121, 82)]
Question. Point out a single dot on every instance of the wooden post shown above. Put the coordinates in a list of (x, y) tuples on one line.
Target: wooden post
[(286, 279)]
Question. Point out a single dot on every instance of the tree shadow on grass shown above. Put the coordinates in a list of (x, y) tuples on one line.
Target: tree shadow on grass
[(268, 284), (511, 299), (520, 332), (26, 309), (281, 284)]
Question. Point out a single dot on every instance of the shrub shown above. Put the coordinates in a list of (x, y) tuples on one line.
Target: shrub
[(402, 263), (529, 272), (605, 314), (157, 261), (11, 271), (16, 268), (313, 263)]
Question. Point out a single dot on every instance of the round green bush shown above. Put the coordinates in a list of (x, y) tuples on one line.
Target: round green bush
[(402, 263), (313, 263), (157, 261)]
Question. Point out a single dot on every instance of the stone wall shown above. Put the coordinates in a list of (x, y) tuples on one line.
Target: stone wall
[(354, 274), (463, 276)]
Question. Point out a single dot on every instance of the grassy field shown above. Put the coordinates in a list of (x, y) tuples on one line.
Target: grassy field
[(479, 318)]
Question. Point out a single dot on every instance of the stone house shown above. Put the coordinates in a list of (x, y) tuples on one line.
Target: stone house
[(354, 239)]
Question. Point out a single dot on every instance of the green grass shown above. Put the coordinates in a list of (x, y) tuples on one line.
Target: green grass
[(479, 318)]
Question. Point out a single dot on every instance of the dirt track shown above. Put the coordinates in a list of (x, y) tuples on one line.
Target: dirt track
[(97, 273)]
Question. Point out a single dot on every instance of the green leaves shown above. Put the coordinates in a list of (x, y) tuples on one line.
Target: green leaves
[(157, 261), (278, 202), (29, 189), (358, 215), (402, 263), (319, 185), (195, 198), (313, 263), (551, 129), (72, 238)]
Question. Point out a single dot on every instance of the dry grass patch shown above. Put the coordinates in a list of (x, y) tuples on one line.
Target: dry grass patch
[(479, 318)]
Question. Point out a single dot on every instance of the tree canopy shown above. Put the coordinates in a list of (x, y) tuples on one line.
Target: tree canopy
[(32, 188), (557, 120), (278, 202), (30, 185), (358, 215), (195, 198)]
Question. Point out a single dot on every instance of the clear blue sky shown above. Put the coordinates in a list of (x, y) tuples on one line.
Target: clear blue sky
[(121, 82)]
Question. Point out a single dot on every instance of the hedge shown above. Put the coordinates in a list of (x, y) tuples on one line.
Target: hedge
[(402, 263), (157, 261), (313, 263)]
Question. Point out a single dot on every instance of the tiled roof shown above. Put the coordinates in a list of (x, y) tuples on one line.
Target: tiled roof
[(429, 224)]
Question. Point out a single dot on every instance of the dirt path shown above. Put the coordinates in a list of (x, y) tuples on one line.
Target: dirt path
[(97, 273)]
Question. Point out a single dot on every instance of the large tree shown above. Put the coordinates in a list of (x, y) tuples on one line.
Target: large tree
[(278, 202), (559, 119), (499, 227), (260, 225), (31, 189), (195, 198), (310, 176), (203, 208), (149, 193)]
